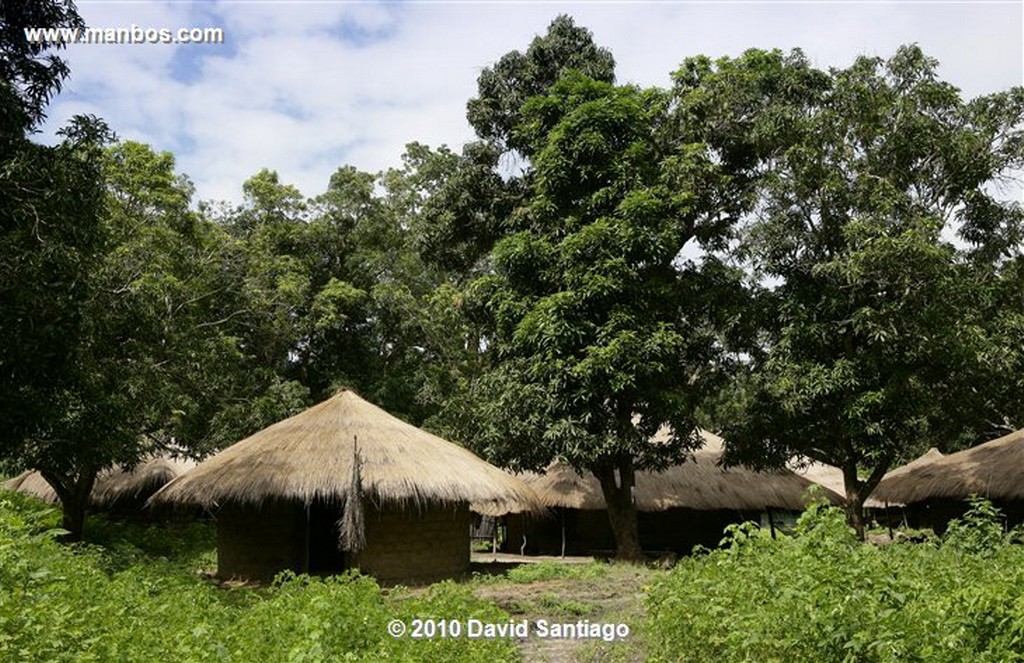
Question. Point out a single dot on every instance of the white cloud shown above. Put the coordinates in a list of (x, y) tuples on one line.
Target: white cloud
[(305, 88)]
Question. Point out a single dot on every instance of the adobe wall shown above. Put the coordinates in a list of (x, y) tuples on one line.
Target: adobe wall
[(415, 547), (408, 547), (257, 543)]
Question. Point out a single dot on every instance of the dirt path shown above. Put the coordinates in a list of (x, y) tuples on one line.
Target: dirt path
[(616, 597)]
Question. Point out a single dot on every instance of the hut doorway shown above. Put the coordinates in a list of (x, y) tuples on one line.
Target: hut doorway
[(323, 553)]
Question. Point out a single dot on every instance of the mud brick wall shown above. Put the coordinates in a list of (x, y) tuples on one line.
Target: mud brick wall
[(415, 546), (256, 543)]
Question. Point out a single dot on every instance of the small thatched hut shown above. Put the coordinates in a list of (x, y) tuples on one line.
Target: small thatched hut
[(116, 490), (934, 487), (678, 508), (346, 485)]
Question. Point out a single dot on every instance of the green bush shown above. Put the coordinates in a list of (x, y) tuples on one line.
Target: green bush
[(822, 596), (141, 600), (979, 531)]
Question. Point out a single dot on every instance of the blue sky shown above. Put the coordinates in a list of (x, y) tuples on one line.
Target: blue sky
[(306, 87)]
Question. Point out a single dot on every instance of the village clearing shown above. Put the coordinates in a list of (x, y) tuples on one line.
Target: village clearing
[(565, 590)]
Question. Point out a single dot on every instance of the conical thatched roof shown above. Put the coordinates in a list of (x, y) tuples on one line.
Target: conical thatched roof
[(32, 483), (926, 458), (696, 484), (309, 456), (114, 486), (992, 470)]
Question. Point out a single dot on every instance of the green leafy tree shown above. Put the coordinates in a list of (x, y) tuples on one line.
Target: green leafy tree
[(335, 290), (51, 202), (877, 340), (469, 209), (154, 361), (517, 77), (30, 72), (598, 333)]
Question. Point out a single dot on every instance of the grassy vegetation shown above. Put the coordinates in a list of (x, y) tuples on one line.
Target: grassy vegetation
[(134, 594), (822, 596)]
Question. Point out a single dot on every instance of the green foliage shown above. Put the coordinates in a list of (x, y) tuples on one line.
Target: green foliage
[(980, 531), (51, 235), (596, 332), (555, 605), (30, 72), (878, 328), (517, 77), (153, 358), (528, 573), (822, 596), (139, 598)]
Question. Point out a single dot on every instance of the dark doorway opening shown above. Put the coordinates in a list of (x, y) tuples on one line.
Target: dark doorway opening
[(322, 536)]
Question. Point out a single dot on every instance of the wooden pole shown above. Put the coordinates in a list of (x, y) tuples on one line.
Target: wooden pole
[(561, 512), (771, 522)]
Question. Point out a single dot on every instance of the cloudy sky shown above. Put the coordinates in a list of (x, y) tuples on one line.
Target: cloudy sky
[(306, 87)]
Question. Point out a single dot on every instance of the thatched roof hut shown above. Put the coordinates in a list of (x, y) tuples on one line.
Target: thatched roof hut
[(116, 489), (699, 483), (679, 507), (291, 495), (991, 470)]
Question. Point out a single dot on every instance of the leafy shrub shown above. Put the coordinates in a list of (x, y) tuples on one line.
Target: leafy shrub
[(979, 531), (822, 596), (119, 602)]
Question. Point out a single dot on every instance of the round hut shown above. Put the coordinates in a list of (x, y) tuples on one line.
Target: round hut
[(117, 490), (934, 487), (345, 485), (683, 506)]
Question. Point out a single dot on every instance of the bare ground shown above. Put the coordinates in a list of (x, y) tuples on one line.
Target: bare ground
[(616, 596)]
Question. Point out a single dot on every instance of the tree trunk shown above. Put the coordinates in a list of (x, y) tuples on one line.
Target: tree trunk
[(855, 515), (854, 500), (74, 499), (621, 509), (857, 492), (73, 519)]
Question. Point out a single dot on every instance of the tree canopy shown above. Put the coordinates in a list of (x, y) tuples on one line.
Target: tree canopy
[(819, 263), (878, 337)]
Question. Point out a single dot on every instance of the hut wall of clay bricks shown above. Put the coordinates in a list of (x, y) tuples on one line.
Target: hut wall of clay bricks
[(258, 543), (402, 545), (415, 546)]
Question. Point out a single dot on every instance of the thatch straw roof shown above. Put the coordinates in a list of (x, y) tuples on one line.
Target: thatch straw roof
[(699, 483), (993, 470), (32, 483), (310, 456), (114, 486), (926, 458)]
